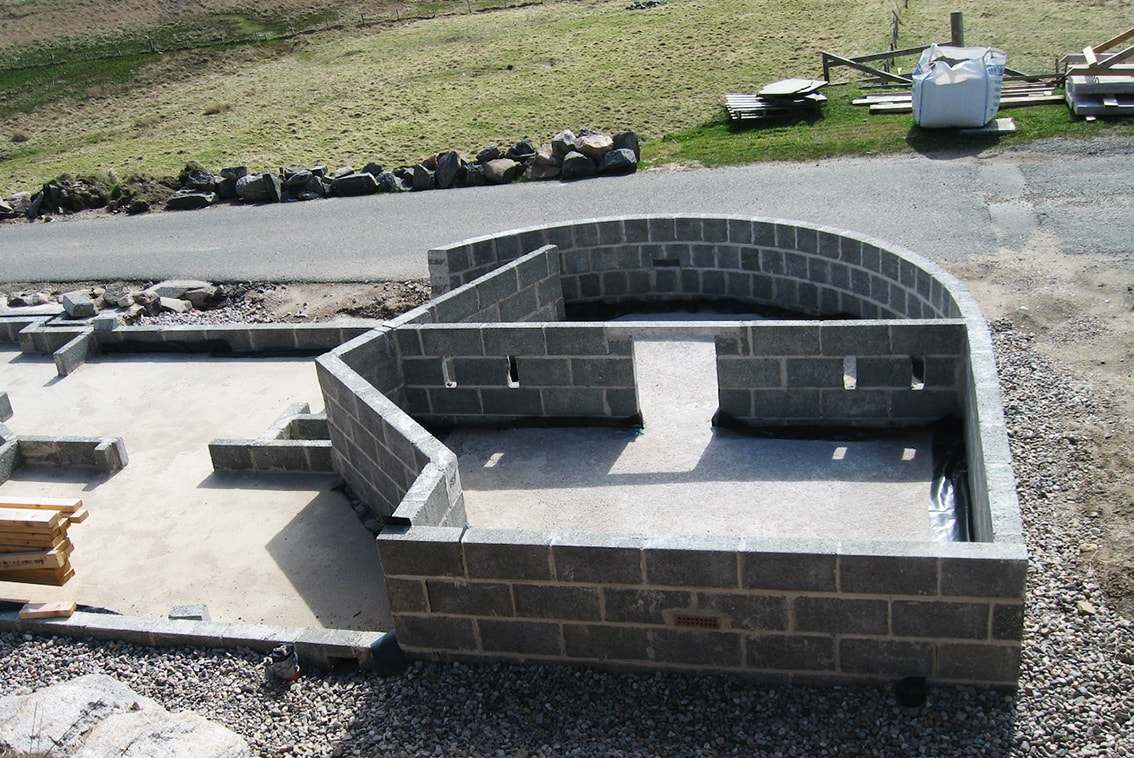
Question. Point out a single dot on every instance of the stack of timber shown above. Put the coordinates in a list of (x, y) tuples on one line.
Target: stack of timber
[(782, 99), (1015, 95), (1100, 81), (34, 547)]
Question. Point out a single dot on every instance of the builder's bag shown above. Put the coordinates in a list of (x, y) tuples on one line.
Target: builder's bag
[(957, 86)]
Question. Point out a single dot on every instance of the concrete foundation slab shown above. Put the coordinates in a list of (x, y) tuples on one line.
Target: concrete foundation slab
[(680, 476), (278, 549)]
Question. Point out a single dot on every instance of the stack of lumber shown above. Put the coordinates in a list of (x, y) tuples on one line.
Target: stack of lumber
[(1100, 82), (34, 547), (1011, 96), (786, 98)]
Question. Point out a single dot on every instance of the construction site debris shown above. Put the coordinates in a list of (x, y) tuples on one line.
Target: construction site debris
[(34, 546), (1100, 80)]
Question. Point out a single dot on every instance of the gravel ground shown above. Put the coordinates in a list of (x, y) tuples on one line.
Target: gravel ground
[(1076, 695)]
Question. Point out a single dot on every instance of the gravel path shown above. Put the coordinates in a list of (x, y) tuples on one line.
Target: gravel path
[(1076, 696)]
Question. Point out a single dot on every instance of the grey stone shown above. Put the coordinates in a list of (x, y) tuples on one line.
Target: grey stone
[(197, 180), (157, 732), (538, 172), (296, 178), (191, 612), (594, 146), (388, 181), (521, 152), (176, 287), (7, 211), (190, 200), (628, 141), (563, 143), (621, 161), (577, 166), (501, 171), (423, 178), (448, 169), (175, 305), (79, 305), (259, 188), (342, 171), (60, 715), (473, 176), (203, 298), (374, 169), (354, 185), (490, 153)]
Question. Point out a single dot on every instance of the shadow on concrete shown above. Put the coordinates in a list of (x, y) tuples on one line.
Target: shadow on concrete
[(40, 475), (330, 560)]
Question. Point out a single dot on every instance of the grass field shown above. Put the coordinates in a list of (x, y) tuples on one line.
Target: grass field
[(348, 93)]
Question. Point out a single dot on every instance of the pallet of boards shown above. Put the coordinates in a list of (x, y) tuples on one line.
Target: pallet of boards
[(34, 546)]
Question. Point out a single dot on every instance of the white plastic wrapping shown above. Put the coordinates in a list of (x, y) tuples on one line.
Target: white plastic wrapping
[(957, 86)]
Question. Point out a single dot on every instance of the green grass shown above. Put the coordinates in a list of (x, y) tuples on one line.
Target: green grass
[(397, 93)]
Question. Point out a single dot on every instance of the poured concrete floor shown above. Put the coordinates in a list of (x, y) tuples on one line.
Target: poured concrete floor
[(166, 530), (679, 476)]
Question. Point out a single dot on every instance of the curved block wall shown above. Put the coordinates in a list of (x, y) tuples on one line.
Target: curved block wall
[(813, 611)]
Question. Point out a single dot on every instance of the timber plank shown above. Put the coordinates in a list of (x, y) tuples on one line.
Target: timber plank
[(19, 519), (57, 610), (63, 504), (55, 577), (40, 559)]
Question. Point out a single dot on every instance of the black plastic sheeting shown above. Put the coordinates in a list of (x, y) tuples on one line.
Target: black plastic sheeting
[(949, 501)]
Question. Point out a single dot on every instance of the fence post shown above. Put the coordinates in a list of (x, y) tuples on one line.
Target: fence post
[(957, 29)]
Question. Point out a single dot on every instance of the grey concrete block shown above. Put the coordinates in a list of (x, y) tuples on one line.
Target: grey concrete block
[(806, 373), (893, 659), (514, 403), (606, 559), (855, 338), (9, 459), (520, 341), (775, 339), (462, 598), (421, 551), (749, 612), (447, 341), (699, 647), (406, 595), (770, 406), (643, 606), (928, 339), (765, 568), (989, 664), (1008, 622), (569, 602), (914, 618), (79, 305), (480, 372), (984, 577), (573, 401), (5, 407), (602, 372), (522, 637), (838, 615), (741, 372), (692, 562), (602, 642), (507, 554), (189, 612), (231, 455), (75, 353), (783, 651), (435, 633), (847, 406), (888, 575), (886, 373)]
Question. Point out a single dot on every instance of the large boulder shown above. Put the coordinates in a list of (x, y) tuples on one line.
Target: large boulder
[(388, 181), (563, 143), (229, 175), (423, 178), (190, 200), (199, 180), (449, 167), (594, 145), (501, 171), (490, 153), (473, 176), (354, 185), (96, 715), (521, 152), (259, 188), (7, 211), (577, 166), (621, 161), (628, 141)]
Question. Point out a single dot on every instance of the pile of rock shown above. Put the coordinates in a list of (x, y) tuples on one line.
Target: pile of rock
[(126, 303), (568, 156)]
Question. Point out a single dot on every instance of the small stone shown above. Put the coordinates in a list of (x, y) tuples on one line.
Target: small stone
[(1086, 607)]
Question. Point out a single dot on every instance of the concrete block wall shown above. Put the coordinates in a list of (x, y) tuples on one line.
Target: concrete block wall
[(470, 375), (298, 442), (804, 611), (381, 452), (832, 373), (104, 454), (801, 268)]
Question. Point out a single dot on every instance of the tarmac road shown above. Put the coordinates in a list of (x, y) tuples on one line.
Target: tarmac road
[(1075, 196)]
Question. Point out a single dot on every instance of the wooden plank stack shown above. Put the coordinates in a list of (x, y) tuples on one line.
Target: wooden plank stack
[(34, 547), (1100, 82), (783, 99), (1012, 96)]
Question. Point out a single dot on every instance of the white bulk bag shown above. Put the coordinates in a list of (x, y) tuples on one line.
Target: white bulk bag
[(957, 86)]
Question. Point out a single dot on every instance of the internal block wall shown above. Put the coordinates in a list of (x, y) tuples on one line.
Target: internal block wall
[(476, 375), (831, 373), (804, 269), (805, 611), (389, 460)]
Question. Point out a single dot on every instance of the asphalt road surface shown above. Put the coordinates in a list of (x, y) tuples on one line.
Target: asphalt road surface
[(1076, 196)]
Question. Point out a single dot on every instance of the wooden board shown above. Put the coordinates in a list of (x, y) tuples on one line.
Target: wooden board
[(57, 610), (1005, 102), (28, 519), (55, 577), (62, 504), (19, 542), (39, 559)]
